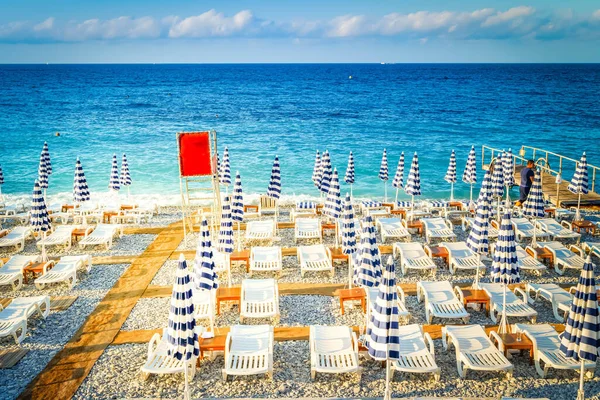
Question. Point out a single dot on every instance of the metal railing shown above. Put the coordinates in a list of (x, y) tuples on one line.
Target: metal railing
[(553, 163)]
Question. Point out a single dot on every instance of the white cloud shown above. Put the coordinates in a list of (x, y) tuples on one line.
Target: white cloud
[(117, 28), (509, 15), (210, 24), (348, 25), (45, 25)]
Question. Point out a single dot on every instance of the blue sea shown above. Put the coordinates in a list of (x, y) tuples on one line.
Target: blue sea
[(289, 110)]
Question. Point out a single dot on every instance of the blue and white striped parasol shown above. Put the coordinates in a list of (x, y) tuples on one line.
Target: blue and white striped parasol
[(225, 171), (398, 181), (478, 240), (182, 333), (508, 167), (534, 206), (333, 202), (348, 228), (205, 277), (581, 339), (43, 173), (39, 220), (225, 244), (47, 160), (383, 336), (1, 181), (384, 172), (114, 182), (349, 177), (125, 178), (81, 192), (413, 183), (470, 173), (579, 183), (498, 181), (450, 176), (316, 175), (368, 270), (237, 205), (326, 173), (505, 264), (274, 189)]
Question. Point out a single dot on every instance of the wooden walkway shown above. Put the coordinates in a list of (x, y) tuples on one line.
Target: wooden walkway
[(66, 371)]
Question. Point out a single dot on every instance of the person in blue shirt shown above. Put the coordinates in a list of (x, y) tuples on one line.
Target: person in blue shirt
[(527, 175)]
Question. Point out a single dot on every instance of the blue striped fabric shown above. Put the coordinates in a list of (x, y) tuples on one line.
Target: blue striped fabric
[(237, 205), (505, 265), (225, 169), (413, 183), (383, 340), (316, 176), (579, 183), (47, 159), (438, 203), (383, 169), (42, 172), (218, 167), (404, 204), (398, 181), (535, 204), (372, 204), (226, 231), (478, 239), (581, 338), (450, 176), (498, 178), (125, 178), (274, 189), (470, 172), (348, 228), (349, 177), (114, 182), (333, 202), (39, 220), (326, 173), (369, 268), (306, 205), (508, 166), (1, 176), (205, 277), (182, 336), (81, 192)]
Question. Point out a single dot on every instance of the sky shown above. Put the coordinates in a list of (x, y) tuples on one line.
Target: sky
[(265, 31)]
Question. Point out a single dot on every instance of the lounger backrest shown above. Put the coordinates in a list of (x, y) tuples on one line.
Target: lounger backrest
[(471, 338), (439, 291), (522, 223), (411, 339), (545, 335), (390, 223), (458, 249), (268, 202), (307, 223), (550, 224), (434, 223), (265, 253), (313, 253), (496, 292), (258, 289), (261, 226), (103, 230), (64, 230), (412, 249), (19, 231), (332, 339), (17, 263), (251, 338), (559, 249)]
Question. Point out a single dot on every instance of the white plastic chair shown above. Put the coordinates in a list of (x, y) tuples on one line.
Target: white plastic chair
[(307, 228), (11, 273), (315, 258), (528, 263), (461, 257), (259, 299), (441, 301), (260, 230), (416, 357), (563, 257), (61, 236), (392, 228), (16, 237), (438, 228), (102, 235), (249, 351), (557, 231), (13, 318), (515, 307), (333, 350), (557, 296), (65, 270), (467, 224), (158, 360), (413, 256), (264, 259), (524, 230), (268, 205)]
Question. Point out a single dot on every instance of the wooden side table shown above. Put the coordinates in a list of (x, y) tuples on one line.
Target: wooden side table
[(456, 204), (228, 294), (127, 207), (510, 342), (107, 215), (352, 294), (401, 212), (67, 207), (542, 254), (325, 227), (551, 212), (77, 234), (476, 296), (415, 224), (388, 205), (216, 343), (34, 269), (336, 254), (249, 207), (438, 252), (586, 226), (319, 209), (243, 255)]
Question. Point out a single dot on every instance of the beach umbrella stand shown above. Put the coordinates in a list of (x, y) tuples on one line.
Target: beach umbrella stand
[(237, 207), (398, 181), (413, 183), (579, 183), (450, 176), (383, 173), (470, 173), (534, 205)]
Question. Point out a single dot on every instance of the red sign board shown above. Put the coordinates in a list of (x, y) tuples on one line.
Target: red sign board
[(194, 154)]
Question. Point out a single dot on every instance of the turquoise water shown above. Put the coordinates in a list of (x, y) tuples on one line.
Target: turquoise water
[(260, 111)]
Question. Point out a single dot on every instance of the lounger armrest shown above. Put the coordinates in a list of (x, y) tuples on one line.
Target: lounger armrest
[(449, 224), (228, 340), (495, 338), (459, 293), (523, 293), (567, 224), (354, 342), (531, 251), (48, 266), (445, 338), (427, 250), (88, 231), (401, 295), (494, 223), (572, 289), (429, 341), (153, 344), (404, 224), (577, 250)]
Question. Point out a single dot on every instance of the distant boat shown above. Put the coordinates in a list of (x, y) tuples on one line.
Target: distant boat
[(350, 77)]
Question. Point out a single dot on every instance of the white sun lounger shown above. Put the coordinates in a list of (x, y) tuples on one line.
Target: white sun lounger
[(563, 257), (559, 297), (546, 350), (333, 350), (592, 248), (249, 351), (307, 228), (528, 263), (373, 293), (13, 318), (441, 301), (264, 259), (315, 258), (474, 350), (16, 237), (524, 230), (222, 264), (65, 270), (11, 273), (160, 362), (392, 228), (515, 307), (467, 224), (261, 230), (102, 235), (378, 212), (268, 205), (204, 305), (438, 228), (413, 256), (415, 356), (557, 231), (61, 236), (259, 299), (461, 257)]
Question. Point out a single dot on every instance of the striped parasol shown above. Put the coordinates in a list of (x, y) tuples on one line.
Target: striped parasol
[(326, 173), (39, 220), (1, 181), (274, 189), (81, 192), (413, 183), (333, 202), (579, 183), (368, 270), (225, 170), (182, 333), (451, 174), (498, 181), (384, 172), (534, 205), (383, 340), (125, 178), (505, 265), (114, 182), (47, 160), (349, 177), (348, 228), (581, 339), (478, 240), (316, 175), (398, 181), (470, 173), (237, 205), (205, 277), (225, 244), (43, 173), (508, 168)]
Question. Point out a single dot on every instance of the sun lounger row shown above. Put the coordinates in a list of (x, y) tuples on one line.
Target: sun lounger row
[(13, 318)]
